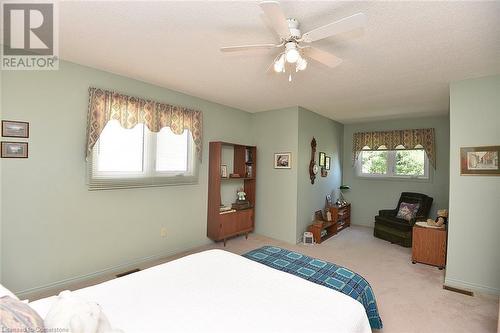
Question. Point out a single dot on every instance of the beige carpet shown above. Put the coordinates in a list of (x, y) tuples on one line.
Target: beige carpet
[(410, 297)]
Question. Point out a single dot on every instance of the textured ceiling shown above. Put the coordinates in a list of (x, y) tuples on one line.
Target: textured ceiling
[(399, 65)]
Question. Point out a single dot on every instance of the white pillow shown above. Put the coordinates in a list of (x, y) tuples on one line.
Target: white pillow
[(77, 315), (6, 292)]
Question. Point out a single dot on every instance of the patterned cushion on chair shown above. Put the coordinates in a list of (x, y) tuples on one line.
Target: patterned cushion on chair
[(18, 317), (407, 211)]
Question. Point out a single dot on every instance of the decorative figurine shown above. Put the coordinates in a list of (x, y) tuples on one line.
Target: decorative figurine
[(241, 194)]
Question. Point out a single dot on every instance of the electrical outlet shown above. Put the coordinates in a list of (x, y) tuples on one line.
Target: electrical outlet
[(163, 232)]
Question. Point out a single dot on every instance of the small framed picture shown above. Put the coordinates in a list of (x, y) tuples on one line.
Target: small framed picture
[(318, 215), (322, 159), (328, 201), (14, 149), (283, 160), (15, 129), (479, 161), (223, 171), (327, 163)]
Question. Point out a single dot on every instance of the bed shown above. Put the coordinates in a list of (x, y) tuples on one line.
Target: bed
[(218, 291)]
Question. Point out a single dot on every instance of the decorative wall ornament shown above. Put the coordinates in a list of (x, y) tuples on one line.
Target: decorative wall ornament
[(105, 105), (313, 167), (409, 139)]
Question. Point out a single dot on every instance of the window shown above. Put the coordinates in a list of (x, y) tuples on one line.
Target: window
[(399, 163), (137, 157)]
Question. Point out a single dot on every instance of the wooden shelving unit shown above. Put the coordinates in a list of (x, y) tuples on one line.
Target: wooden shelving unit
[(342, 216), (341, 219), (221, 226)]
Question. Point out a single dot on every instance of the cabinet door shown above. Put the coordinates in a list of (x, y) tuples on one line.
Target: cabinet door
[(245, 219), (229, 224)]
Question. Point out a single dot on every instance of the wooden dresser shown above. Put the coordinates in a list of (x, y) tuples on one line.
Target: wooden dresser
[(429, 246)]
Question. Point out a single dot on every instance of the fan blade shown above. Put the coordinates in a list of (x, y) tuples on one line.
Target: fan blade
[(276, 17), (326, 58), (346, 24), (247, 47)]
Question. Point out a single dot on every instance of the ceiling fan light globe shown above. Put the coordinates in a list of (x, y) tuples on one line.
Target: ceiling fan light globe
[(301, 64), (278, 68), (279, 65), (292, 55)]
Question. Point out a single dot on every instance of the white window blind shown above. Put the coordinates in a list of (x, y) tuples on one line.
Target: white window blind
[(120, 149), (171, 151), (137, 157)]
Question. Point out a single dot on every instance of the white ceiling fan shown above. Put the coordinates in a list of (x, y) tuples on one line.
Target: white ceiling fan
[(294, 45)]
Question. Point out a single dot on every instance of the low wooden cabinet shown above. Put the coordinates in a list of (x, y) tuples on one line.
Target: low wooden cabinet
[(429, 246)]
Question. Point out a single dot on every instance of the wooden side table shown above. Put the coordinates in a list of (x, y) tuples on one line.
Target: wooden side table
[(429, 246)]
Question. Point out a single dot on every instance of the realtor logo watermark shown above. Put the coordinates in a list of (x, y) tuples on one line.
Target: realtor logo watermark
[(30, 36)]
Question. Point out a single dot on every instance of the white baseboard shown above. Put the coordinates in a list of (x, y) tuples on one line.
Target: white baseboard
[(471, 286), (65, 283)]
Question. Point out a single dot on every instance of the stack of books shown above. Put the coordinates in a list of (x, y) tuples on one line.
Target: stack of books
[(238, 205), (226, 209)]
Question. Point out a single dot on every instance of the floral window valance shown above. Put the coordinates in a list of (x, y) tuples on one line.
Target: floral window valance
[(107, 105), (409, 139)]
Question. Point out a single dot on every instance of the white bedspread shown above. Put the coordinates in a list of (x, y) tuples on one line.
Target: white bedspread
[(217, 291)]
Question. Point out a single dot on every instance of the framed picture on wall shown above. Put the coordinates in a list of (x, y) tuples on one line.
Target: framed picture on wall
[(15, 129), (14, 149), (283, 160), (327, 163), (479, 161), (322, 159)]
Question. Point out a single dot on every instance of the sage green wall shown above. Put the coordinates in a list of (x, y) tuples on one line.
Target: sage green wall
[(473, 235), (368, 196), (54, 228), (276, 213), (329, 135), (286, 199)]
